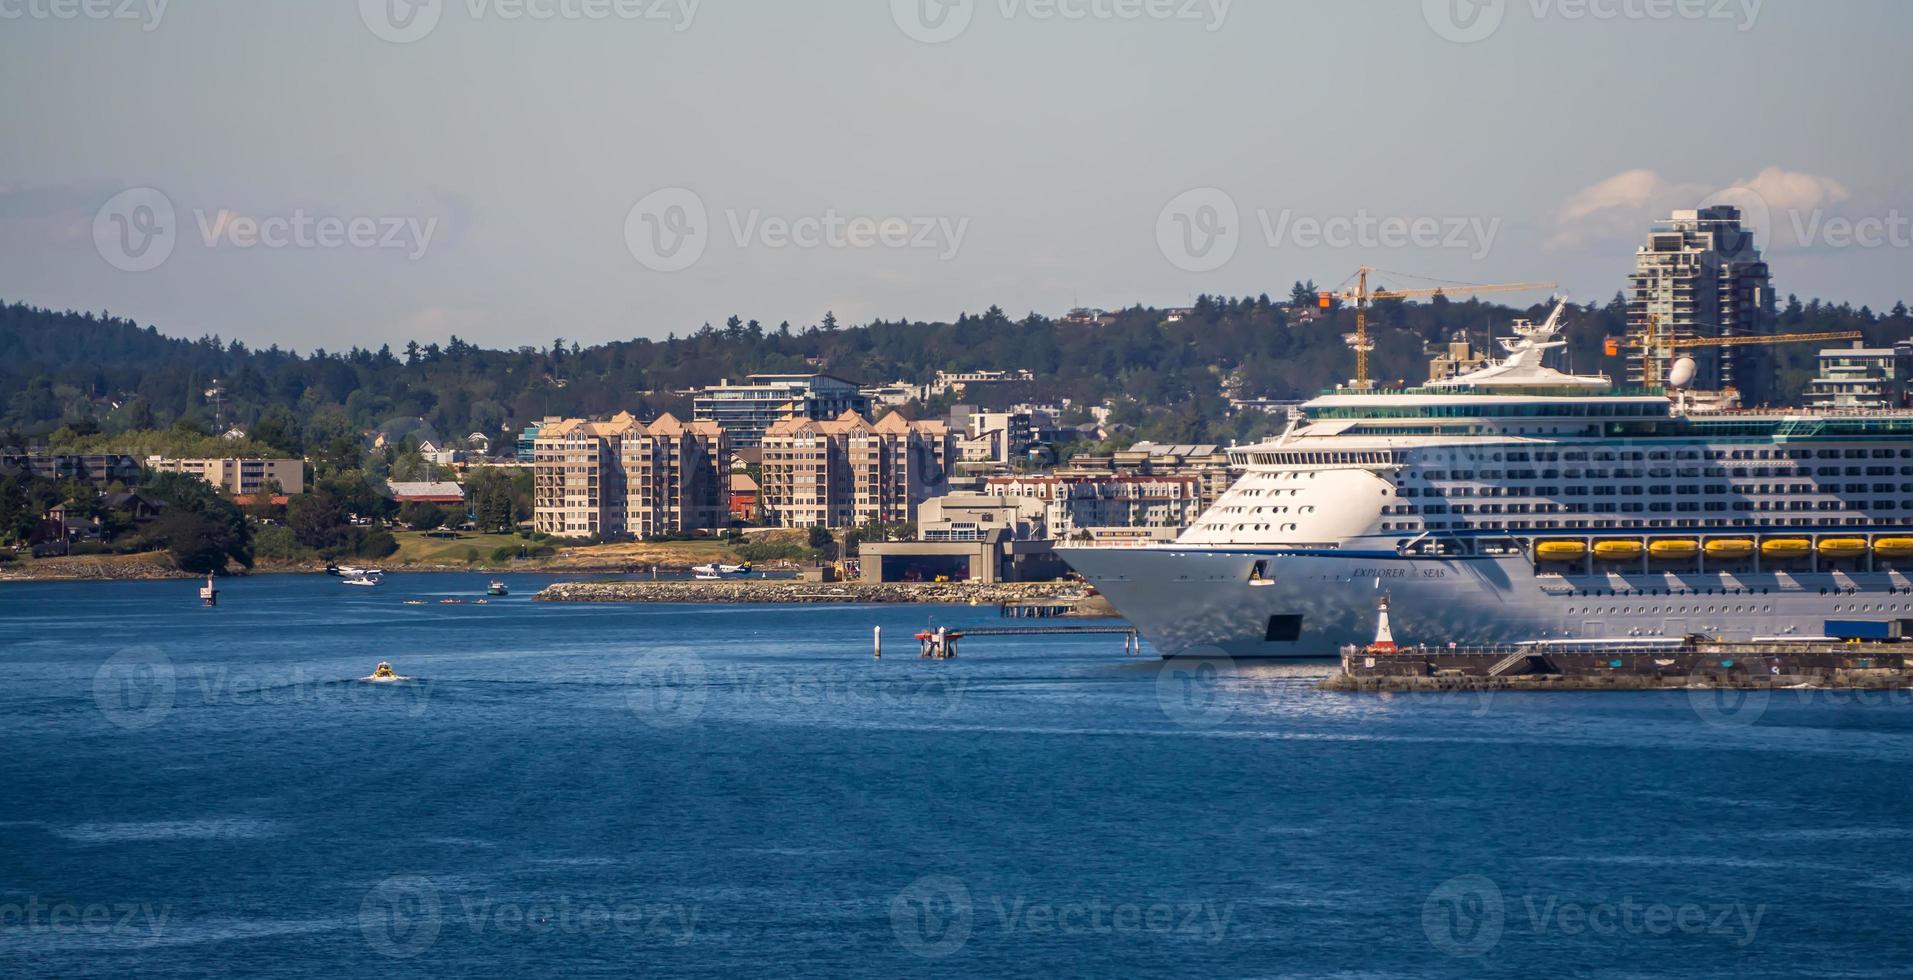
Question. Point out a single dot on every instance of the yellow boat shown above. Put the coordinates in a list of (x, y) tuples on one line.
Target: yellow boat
[(1893, 547), (1731, 548), (1617, 550), (383, 672), (1560, 550), (1673, 549), (1842, 547), (1785, 547)]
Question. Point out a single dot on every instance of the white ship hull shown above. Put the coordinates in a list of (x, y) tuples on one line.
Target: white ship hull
[(1201, 603)]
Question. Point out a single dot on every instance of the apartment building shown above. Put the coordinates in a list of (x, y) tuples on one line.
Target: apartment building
[(1701, 275), (746, 411), (1860, 377), (625, 478), (1206, 462), (238, 476), (1078, 504), (850, 471)]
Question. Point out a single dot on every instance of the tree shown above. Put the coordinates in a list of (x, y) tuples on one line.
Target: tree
[(423, 517), (318, 520), (199, 528)]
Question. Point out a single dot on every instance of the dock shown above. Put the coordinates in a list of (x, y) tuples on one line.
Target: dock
[(942, 643), (1705, 664)]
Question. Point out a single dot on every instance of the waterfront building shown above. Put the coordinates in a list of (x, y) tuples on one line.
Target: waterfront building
[(1208, 463), (1076, 504), (442, 492), (1700, 274), (621, 477), (1862, 377), (96, 469), (238, 476), (746, 411), (849, 471)]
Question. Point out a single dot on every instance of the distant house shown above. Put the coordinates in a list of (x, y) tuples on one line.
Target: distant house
[(235, 433), (480, 442), (442, 492), (64, 522), (743, 497)]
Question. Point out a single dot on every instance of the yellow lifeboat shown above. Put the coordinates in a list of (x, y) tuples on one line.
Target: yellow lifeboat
[(1731, 548), (1673, 549), (1842, 547), (1560, 550), (1785, 547), (1617, 550), (384, 672), (1893, 547)]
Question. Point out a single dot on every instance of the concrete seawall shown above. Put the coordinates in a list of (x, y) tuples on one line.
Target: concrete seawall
[(750, 591)]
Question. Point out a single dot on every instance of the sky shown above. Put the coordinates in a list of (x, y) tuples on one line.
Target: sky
[(329, 173)]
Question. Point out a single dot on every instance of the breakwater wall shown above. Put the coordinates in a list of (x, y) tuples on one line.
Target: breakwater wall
[(1715, 665), (752, 591)]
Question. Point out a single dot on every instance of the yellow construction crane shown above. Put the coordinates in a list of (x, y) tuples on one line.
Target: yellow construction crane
[(1361, 297), (1654, 345)]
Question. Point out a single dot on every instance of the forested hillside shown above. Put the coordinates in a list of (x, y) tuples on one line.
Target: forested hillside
[(69, 376)]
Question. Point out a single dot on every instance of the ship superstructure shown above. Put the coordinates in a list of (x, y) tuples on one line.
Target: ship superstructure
[(1519, 503)]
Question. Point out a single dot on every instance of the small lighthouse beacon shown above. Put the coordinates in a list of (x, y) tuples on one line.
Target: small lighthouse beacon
[(1384, 637)]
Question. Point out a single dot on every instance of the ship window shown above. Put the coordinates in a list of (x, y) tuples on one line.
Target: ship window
[(1283, 629)]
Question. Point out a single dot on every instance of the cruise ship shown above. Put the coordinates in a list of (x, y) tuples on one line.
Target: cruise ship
[(1519, 503)]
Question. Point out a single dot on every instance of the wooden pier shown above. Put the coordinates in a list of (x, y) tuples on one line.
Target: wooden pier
[(942, 643)]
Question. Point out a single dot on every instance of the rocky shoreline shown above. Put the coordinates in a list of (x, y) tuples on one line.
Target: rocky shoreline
[(784, 591)]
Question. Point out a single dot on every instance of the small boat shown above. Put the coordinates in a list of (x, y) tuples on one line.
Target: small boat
[(1843, 547), (208, 594), (1893, 547), (1786, 547), (415, 602), (1730, 548), (497, 588), (451, 602), (482, 602), (1560, 550), (1673, 549), (384, 672), (1617, 550)]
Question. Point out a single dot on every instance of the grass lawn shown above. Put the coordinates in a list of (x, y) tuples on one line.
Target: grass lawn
[(418, 547)]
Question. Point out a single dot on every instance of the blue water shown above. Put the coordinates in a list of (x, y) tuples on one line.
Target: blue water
[(704, 791)]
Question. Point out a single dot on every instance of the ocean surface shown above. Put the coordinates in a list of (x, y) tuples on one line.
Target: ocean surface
[(574, 791)]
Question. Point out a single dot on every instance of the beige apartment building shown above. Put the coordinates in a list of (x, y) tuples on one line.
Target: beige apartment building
[(238, 476), (622, 477), (850, 471)]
